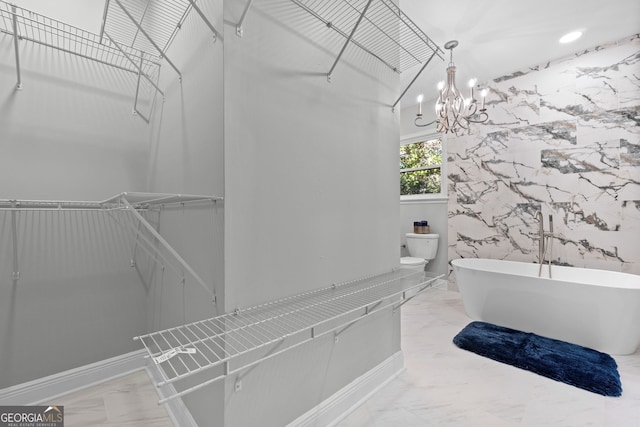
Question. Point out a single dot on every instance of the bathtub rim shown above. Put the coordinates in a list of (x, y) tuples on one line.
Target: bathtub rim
[(588, 278)]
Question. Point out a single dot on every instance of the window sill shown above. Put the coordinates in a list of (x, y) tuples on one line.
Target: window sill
[(423, 198)]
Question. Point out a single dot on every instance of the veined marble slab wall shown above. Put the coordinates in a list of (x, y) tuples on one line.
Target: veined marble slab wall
[(562, 138)]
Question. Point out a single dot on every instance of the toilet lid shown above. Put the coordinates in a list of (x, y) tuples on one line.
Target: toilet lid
[(409, 260)]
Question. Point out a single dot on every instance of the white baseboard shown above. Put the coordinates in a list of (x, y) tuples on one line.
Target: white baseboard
[(52, 386), (346, 400), (327, 413)]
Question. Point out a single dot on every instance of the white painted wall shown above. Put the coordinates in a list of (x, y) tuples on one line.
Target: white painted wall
[(67, 135), (307, 161), (70, 125), (187, 157), (311, 195)]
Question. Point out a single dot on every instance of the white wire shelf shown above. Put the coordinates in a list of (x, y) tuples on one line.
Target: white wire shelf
[(378, 27), (138, 200), (160, 19), (55, 34), (23, 24), (149, 25), (126, 209), (246, 337)]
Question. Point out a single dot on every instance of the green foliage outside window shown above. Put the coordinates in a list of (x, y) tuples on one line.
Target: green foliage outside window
[(426, 155)]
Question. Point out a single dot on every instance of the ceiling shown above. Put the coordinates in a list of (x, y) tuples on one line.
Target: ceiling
[(499, 37)]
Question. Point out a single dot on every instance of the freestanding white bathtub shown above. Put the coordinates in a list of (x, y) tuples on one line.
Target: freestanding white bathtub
[(593, 308)]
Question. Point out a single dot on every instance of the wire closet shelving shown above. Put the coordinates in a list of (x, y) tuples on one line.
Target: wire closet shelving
[(23, 24), (134, 36), (147, 237), (380, 28), (149, 25), (246, 337)]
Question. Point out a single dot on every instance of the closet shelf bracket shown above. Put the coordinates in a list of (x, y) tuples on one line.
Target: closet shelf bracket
[(135, 101), (139, 27), (239, 30), (346, 43), (140, 72), (216, 34), (14, 21), (413, 81), (168, 247)]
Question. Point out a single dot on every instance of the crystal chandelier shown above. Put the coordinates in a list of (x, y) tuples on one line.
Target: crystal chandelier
[(454, 112)]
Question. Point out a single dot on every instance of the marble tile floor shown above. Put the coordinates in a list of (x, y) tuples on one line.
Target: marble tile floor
[(127, 401), (446, 386), (441, 386)]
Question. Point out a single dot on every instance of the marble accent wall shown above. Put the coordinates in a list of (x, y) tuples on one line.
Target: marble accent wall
[(563, 138)]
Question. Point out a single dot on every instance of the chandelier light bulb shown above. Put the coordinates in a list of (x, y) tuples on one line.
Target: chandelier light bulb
[(483, 93), (420, 98)]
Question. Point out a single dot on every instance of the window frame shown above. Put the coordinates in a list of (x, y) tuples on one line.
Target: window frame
[(419, 137)]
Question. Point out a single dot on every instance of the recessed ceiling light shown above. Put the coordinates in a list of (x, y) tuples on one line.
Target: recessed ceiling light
[(568, 38)]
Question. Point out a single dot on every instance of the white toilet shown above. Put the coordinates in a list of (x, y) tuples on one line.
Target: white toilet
[(422, 248)]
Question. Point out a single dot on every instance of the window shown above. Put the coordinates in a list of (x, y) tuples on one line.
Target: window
[(421, 167)]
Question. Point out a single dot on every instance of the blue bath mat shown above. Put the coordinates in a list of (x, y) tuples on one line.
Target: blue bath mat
[(561, 361)]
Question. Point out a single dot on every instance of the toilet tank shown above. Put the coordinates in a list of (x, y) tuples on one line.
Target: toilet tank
[(422, 245)]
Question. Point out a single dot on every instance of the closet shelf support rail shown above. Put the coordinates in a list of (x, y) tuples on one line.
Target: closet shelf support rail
[(15, 275)]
